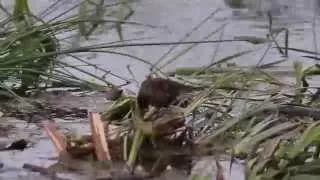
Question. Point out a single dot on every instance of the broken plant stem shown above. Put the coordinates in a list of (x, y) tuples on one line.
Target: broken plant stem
[(137, 139), (125, 147)]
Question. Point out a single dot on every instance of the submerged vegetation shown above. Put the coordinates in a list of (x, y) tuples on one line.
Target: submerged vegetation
[(247, 113)]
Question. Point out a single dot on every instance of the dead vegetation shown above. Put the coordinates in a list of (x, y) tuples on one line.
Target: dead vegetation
[(247, 114)]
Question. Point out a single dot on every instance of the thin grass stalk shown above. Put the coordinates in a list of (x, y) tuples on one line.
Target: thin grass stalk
[(187, 49), (188, 34), (50, 9), (99, 68), (91, 48), (125, 148), (271, 34), (137, 141)]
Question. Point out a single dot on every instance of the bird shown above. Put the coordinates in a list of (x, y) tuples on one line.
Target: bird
[(160, 92)]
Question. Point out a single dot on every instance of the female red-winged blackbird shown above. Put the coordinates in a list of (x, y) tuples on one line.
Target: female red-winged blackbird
[(161, 92)]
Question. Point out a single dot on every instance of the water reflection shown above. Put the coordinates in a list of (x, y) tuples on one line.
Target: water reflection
[(275, 7), (317, 6)]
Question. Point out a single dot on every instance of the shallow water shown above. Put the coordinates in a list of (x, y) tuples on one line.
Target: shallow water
[(176, 18), (173, 20)]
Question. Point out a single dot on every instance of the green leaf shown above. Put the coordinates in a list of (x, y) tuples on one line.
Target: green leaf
[(298, 71), (83, 15), (305, 177), (231, 123), (313, 70), (249, 143), (119, 109), (310, 135), (121, 16)]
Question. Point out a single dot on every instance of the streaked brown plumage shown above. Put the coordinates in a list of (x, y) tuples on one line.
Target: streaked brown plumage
[(161, 92)]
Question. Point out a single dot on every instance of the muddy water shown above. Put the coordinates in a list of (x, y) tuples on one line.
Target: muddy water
[(173, 19)]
